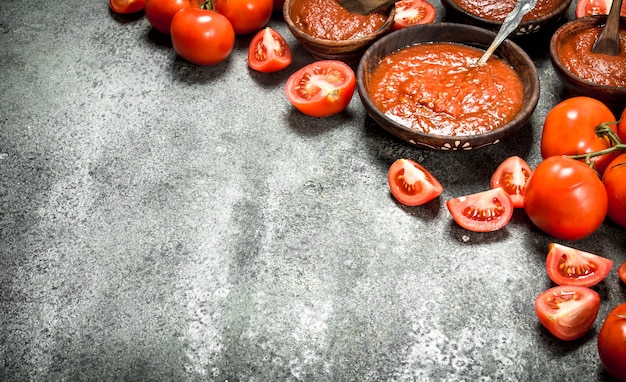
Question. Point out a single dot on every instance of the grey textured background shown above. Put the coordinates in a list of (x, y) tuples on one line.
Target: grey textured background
[(166, 222)]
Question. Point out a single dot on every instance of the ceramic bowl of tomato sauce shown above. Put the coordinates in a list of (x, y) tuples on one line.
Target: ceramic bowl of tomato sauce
[(329, 32), (584, 73), (421, 85), (490, 14)]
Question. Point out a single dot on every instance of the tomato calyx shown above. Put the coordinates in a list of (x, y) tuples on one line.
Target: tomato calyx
[(603, 130), (207, 4)]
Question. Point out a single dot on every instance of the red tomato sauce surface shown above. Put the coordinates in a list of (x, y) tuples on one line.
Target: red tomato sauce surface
[(498, 9), (434, 88), (328, 20), (601, 69)]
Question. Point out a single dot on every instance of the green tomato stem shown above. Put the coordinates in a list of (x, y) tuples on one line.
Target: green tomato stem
[(207, 4), (604, 130)]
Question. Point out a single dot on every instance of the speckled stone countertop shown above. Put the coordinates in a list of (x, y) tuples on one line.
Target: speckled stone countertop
[(166, 222)]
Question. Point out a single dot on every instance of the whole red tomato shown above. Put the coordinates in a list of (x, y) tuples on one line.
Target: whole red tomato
[(201, 36), (247, 16), (569, 129), (614, 179), (612, 343), (565, 198), (161, 12), (621, 128)]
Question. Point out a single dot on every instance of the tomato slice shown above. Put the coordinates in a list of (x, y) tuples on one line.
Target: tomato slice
[(621, 272), (321, 88), (269, 52), (570, 266), (482, 212), (512, 175), (596, 7), (567, 311), (413, 12), (126, 6), (411, 184)]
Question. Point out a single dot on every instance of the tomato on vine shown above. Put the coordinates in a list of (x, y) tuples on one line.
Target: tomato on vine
[(202, 36), (621, 127), (512, 175), (246, 16), (126, 6), (411, 184), (269, 52), (570, 266), (612, 343), (570, 129), (161, 12), (565, 198), (567, 311), (614, 179)]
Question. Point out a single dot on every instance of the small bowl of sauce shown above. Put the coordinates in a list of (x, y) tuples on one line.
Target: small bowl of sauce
[(421, 85), (583, 72), (330, 32), (490, 14)]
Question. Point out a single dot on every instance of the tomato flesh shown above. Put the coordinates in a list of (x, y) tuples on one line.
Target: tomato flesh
[(570, 266), (413, 12), (482, 212), (612, 343), (269, 52), (126, 6), (512, 175), (321, 88), (596, 7), (411, 184), (567, 311), (614, 179)]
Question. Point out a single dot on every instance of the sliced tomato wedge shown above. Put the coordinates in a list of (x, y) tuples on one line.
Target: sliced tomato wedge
[(321, 88), (596, 7), (512, 175), (413, 12), (411, 184), (567, 311), (485, 211), (269, 52), (621, 272), (570, 266), (126, 6)]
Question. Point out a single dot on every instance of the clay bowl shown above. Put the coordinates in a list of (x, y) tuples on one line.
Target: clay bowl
[(527, 26), (613, 96), (455, 33), (349, 51)]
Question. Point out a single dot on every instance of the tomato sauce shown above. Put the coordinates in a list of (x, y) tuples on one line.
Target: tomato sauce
[(602, 69), (328, 20), (434, 88), (497, 10)]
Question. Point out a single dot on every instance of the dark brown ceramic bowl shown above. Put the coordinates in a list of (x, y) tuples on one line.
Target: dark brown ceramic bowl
[(526, 27), (612, 96), (349, 51), (454, 33)]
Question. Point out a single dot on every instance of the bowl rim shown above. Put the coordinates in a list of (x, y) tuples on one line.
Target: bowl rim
[(520, 119), (557, 12), (594, 20), (386, 27)]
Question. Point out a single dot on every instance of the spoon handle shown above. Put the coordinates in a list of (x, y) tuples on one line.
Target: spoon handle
[(509, 24)]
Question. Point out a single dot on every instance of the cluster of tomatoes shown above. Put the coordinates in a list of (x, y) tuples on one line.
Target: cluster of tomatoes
[(580, 181)]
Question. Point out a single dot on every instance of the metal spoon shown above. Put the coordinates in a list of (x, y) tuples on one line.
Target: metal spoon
[(608, 41), (509, 24), (365, 7)]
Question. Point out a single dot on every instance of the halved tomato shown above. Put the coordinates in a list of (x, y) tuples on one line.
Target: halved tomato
[(621, 272), (411, 184), (570, 266), (482, 212), (126, 6), (596, 7), (413, 12), (269, 52), (567, 311), (512, 175), (321, 88)]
